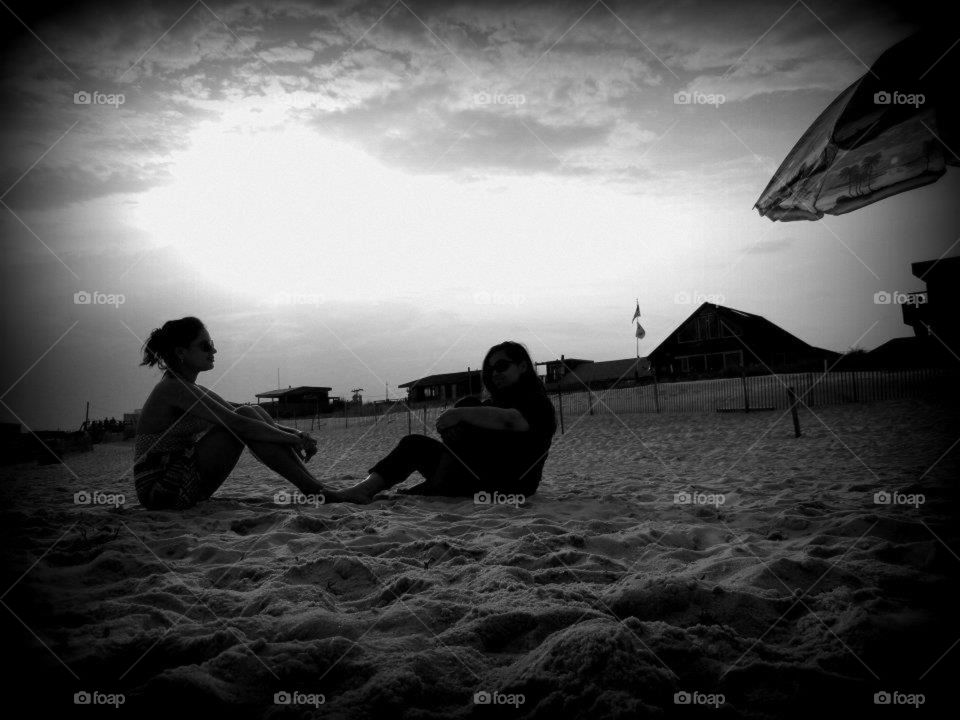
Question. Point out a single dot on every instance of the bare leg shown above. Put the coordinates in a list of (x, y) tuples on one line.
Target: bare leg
[(363, 492), (441, 478), (283, 460)]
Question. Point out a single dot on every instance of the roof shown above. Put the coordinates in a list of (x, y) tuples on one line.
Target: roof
[(606, 370), (440, 379), (566, 361), (299, 390), (724, 311), (945, 266)]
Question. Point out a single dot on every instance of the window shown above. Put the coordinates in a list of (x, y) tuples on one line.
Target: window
[(715, 361), (688, 333), (709, 327), (733, 359)]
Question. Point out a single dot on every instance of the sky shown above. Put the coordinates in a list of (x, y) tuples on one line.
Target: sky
[(361, 194)]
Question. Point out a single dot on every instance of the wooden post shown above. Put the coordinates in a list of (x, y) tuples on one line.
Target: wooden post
[(424, 418), (793, 409), (656, 391), (746, 396), (346, 422), (409, 421), (560, 393)]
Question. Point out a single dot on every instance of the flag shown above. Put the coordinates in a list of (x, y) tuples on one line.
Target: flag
[(640, 332), (637, 313)]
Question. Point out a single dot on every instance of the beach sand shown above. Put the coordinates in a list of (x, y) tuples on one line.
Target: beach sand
[(783, 589)]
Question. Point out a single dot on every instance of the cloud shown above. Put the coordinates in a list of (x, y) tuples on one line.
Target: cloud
[(54, 187)]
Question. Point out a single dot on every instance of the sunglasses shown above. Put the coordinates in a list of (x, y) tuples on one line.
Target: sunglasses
[(501, 365)]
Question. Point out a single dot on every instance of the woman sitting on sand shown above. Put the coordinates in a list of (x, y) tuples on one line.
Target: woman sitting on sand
[(176, 467), (497, 446)]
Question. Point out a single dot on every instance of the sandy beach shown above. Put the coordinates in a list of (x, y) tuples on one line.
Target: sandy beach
[(669, 564)]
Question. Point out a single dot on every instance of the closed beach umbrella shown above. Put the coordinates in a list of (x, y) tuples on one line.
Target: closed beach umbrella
[(894, 129)]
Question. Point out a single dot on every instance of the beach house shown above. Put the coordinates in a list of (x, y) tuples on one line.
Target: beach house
[(304, 400), (443, 388), (576, 374), (715, 341)]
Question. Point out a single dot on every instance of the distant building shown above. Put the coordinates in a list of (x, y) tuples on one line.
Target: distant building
[(933, 313), (296, 401), (555, 370), (575, 374), (716, 340), (443, 388)]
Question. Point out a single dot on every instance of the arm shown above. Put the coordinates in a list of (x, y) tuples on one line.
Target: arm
[(489, 418), (198, 401), (233, 406)]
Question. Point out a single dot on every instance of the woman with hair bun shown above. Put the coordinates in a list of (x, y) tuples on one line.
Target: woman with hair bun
[(189, 438), (497, 446)]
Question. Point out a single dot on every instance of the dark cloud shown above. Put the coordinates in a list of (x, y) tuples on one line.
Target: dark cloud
[(52, 187)]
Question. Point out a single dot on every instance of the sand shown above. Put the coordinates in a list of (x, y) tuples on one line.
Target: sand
[(782, 589)]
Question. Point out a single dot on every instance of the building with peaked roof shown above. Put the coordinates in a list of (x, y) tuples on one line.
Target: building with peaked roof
[(716, 340)]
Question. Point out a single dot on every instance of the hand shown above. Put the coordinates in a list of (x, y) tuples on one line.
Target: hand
[(447, 420), (307, 448)]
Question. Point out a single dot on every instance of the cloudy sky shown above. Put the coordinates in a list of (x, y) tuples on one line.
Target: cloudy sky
[(359, 194)]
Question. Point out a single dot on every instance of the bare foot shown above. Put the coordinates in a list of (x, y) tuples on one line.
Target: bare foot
[(351, 495)]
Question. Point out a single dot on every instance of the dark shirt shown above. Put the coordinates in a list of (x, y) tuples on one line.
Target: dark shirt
[(512, 460)]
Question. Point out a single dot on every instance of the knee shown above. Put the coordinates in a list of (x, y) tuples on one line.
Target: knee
[(261, 413), (250, 411), (409, 442)]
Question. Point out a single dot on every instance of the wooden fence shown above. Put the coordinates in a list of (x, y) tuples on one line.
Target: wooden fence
[(755, 393), (761, 392)]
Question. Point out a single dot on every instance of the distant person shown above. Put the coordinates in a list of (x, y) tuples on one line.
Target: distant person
[(499, 445), (189, 438)]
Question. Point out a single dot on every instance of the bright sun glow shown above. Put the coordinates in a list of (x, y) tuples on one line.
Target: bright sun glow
[(281, 210), (276, 211)]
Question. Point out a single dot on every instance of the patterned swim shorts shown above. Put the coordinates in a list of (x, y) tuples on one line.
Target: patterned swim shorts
[(169, 480)]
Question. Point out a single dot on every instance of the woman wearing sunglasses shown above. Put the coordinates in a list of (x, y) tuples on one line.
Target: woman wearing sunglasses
[(497, 446), (189, 438)]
